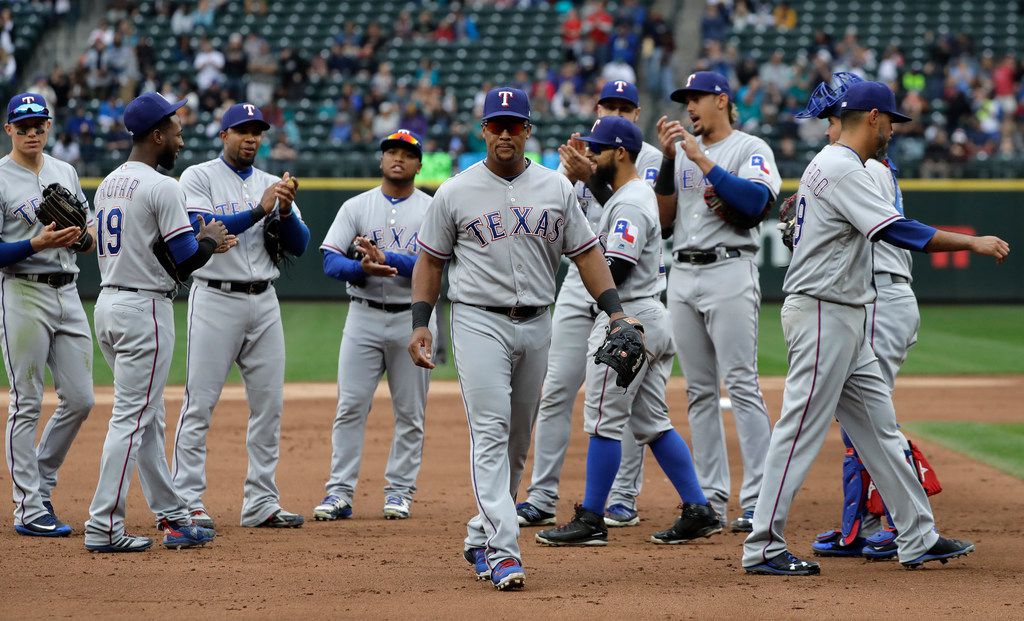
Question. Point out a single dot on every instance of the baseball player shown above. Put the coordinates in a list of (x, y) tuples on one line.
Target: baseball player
[(572, 324), (504, 225), (135, 207), (832, 369), (41, 317), (385, 221), (631, 237), (714, 295), (890, 334), (238, 286)]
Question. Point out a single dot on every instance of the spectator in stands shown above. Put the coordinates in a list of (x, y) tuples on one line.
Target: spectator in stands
[(565, 103), (445, 31), (890, 66), (183, 52), (8, 69), (262, 75), (203, 15), (386, 121), (66, 149), (236, 64), (283, 154), (597, 27), (425, 26), (414, 119), (625, 44), (402, 28), (290, 67), (42, 87), (784, 16), (7, 30), (465, 27), (117, 141), (749, 98), (341, 130), (103, 32), (715, 24), (572, 29), (660, 39), (776, 71), (181, 20), (370, 44), (362, 131), (427, 72), (209, 65), (110, 112), (618, 69)]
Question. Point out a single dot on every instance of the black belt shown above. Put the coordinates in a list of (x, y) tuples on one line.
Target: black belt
[(55, 280), (387, 308), (703, 257), (167, 294), (514, 312), (252, 288)]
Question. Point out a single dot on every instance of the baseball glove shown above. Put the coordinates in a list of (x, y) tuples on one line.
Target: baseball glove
[(787, 221), (62, 207), (623, 349), (166, 259), (734, 217), (272, 240)]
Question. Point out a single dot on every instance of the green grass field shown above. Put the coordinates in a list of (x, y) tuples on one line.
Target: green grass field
[(998, 445), (953, 340)]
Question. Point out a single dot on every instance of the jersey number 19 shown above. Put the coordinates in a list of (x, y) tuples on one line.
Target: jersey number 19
[(108, 231)]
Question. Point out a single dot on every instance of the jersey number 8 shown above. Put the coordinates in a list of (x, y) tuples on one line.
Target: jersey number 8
[(109, 231)]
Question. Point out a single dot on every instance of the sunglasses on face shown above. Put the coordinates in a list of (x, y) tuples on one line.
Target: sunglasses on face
[(514, 127), (598, 149), (404, 137), (26, 109)]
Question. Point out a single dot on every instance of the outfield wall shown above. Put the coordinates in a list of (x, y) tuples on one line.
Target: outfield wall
[(970, 206)]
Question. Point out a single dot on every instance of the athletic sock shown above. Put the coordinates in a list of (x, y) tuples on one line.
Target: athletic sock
[(674, 458), (603, 458)]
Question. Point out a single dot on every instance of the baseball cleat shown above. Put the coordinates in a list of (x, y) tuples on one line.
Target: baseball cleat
[(477, 557), (508, 575), (620, 515), (125, 543), (830, 543), (943, 550), (695, 521), (529, 515), (396, 507), (881, 546), (282, 519), (45, 526), (586, 529), (201, 518), (178, 535), (49, 508), (332, 508), (785, 564), (744, 523)]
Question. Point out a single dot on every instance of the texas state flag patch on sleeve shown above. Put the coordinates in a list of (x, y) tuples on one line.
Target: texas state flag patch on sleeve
[(625, 231), (758, 162)]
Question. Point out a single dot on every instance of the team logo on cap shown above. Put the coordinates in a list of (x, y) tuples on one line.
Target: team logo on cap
[(596, 123), (28, 99), (620, 86), (249, 108), (689, 80), (505, 97)]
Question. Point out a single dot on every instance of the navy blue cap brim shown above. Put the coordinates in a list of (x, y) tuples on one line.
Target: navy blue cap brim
[(36, 115), (895, 117), (679, 95), (495, 115), (620, 98), (263, 124), (592, 140)]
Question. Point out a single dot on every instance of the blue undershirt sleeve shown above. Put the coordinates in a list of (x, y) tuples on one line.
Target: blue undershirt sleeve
[(343, 268), (402, 262), (183, 246), (748, 197), (908, 234), (236, 223), (12, 252), (295, 235)]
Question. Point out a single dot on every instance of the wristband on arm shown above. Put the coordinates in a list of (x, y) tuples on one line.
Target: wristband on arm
[(421, 312), (609, 301), (666, 182)]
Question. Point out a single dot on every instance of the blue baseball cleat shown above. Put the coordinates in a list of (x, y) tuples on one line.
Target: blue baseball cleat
[(45, 526), (477, 557), (530, 515), (830, 543), (880, 546), (179, 535), (785, 564), (509, 576), (620, 515)]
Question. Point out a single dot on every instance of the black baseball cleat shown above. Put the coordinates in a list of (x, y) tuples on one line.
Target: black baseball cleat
[(586, 529), (943, 550), (785, 564), (695, 521)]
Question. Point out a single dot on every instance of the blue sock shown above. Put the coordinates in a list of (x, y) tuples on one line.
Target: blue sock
[(603, 457), (674, 458)]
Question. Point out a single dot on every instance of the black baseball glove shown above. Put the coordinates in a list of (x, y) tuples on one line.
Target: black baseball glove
[(272, 240), (733, 216), (624, 349), (166, 259), (787, 221), (62, 207)]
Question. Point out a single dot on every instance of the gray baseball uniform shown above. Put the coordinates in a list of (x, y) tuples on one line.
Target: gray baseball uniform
[(226, 327), (573, 322), (505, 239), (41, 326), (832, 369), (375, 340), (631, 231), (134, 318), (714, 309)]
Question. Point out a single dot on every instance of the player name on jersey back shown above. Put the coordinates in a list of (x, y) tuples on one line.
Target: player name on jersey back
[(839, 212), (135, 206), (505, 238)]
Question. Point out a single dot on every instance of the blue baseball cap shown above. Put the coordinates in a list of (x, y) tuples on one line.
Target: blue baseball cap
[(146, 110), (27, 106), (869, 96), (403, 138), (620, 89), (702, 82), (242, 113), (506, 101), (616, 131)]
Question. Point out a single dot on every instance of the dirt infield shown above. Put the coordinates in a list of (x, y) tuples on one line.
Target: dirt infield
[(369, 567)]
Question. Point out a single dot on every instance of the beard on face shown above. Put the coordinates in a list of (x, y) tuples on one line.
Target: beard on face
[(243, 161), (167, 158), (604, 174), (883, 145)]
